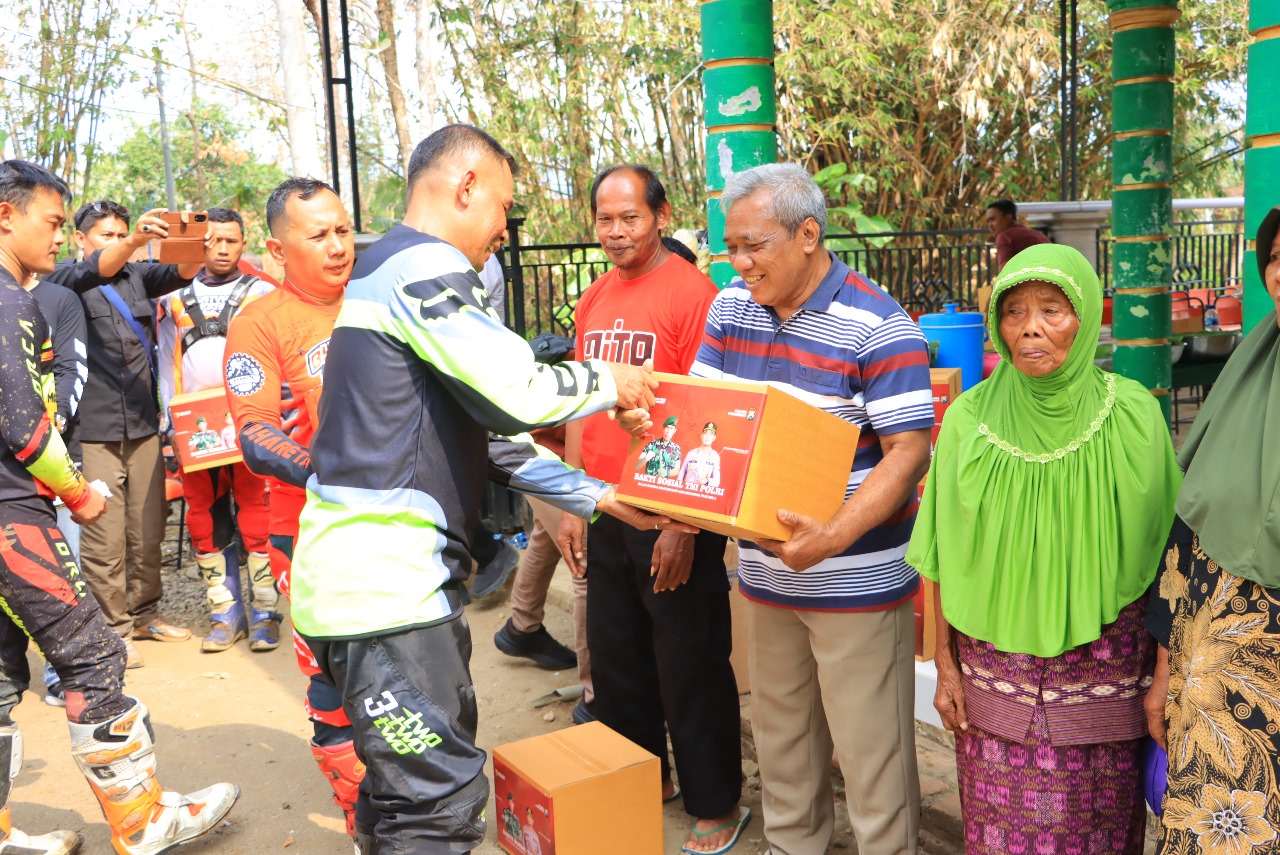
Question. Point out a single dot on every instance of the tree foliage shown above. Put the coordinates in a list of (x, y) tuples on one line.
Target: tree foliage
[(210, 164), (948, 105), (51, 94), (924, 109), (933, 106), (573, 85)]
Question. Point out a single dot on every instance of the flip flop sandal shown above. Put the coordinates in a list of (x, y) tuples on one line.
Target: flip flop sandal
[(675, 796), (738, 825)]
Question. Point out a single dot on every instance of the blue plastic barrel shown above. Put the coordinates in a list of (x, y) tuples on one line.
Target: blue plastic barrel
[(960, 336)]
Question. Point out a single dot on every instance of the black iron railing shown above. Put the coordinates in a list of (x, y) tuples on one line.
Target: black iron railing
[(1206, 254), (922, 270)]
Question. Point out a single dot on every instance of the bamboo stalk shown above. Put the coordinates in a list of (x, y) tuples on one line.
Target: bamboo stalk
[(1142, 194), (740, 105), (1262, 152)]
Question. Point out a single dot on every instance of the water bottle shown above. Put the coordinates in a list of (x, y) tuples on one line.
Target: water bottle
[(519, 540), (1210, 319)]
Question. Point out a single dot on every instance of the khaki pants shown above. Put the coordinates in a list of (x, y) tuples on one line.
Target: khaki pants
[(121, 554), (533, 580), (835, 679)]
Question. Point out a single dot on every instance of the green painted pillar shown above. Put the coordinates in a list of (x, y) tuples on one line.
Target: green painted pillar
[(740, 106), (1262, 157), (1142, 66)]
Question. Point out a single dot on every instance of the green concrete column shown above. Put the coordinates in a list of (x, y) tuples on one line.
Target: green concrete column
[(740, 106), (1262, 157), (1142, 67)]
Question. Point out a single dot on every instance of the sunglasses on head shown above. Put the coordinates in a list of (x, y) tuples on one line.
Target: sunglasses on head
[(104, 209)]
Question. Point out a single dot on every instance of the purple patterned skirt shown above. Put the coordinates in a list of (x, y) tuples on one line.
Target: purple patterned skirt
[(1032, 780)]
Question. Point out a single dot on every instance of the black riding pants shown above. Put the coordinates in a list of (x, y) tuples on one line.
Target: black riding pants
[(413, 712)]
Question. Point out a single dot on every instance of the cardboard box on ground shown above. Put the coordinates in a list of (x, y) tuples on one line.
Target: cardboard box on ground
[(580, 791), (946, 388), (203, 435), (984, 300), (768, 450)]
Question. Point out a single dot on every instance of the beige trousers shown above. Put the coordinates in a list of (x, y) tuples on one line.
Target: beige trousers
[(835, 679), (533, 580), (120, 555)]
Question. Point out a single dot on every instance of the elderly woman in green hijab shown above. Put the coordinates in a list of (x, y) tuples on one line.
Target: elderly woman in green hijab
[(1042, 523), (1216, 609)]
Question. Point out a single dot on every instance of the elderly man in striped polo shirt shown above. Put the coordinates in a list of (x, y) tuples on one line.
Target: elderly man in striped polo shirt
[(832, 631)]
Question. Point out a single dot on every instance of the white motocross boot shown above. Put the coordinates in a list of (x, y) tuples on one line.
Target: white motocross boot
[(118, 759), (13, 841)]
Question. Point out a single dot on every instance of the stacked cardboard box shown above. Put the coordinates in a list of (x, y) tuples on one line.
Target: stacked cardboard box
[(581, 791), (946, 388)]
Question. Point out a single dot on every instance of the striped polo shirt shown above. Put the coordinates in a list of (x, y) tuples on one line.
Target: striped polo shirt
[(852, 351)]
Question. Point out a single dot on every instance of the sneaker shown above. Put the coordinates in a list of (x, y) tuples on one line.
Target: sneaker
[(537, 646), (491, 576), (582, 713), (158, 630), (53, 695), (134, 659)]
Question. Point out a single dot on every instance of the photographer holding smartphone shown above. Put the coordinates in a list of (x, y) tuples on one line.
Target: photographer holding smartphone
[(119, 424)]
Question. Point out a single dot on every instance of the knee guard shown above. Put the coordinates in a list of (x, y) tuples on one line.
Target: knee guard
[(344, 772)]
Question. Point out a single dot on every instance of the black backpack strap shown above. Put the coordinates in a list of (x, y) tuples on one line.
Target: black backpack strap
[(203, 327), (192, 306), (236, 297)]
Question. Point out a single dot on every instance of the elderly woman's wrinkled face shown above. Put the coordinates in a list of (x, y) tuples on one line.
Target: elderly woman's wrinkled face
[(1273, 274), (1038, 324)]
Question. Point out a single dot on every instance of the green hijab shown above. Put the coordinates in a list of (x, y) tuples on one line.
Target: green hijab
[(1231, 495), (1050, 499)]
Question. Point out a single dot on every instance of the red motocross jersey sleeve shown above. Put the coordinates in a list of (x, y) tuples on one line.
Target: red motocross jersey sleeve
[(276, 349)]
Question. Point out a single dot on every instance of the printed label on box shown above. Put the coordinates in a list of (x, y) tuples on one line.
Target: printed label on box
[(700, 451), (204, 434), (525, 820)]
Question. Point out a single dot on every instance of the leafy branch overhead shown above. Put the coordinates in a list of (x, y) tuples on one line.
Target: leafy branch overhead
[(913, 114)]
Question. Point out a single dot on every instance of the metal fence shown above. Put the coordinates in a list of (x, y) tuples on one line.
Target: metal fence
[(1206, 254), (922, 270)]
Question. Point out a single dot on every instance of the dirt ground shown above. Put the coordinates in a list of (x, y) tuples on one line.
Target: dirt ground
[(237, 716)]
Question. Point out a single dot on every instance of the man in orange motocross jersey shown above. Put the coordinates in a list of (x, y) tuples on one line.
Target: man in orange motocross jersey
[(275, 356)]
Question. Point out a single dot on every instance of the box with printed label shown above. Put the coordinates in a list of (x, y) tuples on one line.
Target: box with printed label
[(727, 455), (579, 791), (204, 436), (946, 388)]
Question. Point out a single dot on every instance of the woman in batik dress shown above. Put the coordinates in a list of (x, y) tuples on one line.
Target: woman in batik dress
[(1216, 609), (1043, 521)]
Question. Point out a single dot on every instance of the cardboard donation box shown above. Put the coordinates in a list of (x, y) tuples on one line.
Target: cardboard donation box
[(726, 455), (580, 791), (203, 433), (946, 388)]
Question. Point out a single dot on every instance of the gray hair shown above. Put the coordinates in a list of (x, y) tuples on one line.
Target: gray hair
[(792, 190)]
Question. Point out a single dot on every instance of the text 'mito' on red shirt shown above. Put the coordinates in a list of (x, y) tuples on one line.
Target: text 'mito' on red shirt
[(658, 316)]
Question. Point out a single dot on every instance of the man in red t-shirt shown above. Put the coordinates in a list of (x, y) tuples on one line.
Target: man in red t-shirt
[(1012, 237), (658, 624)]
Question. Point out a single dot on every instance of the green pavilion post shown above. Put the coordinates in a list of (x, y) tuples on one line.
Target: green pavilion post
[(740, 106), (1142, 68), (1262, 157)]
